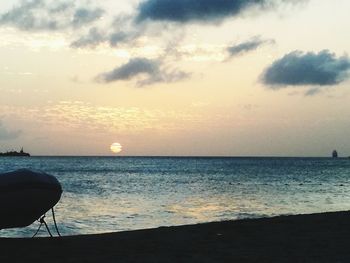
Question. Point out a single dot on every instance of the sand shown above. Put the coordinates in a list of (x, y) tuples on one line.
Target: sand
[(302, 238)]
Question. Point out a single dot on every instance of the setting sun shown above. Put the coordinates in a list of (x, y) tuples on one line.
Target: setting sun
[(116, 147)]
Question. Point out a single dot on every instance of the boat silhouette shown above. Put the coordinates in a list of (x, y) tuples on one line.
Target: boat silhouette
[(25, 196), (335, 154)]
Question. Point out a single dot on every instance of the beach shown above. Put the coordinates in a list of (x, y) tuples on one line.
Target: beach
[(301, 238)]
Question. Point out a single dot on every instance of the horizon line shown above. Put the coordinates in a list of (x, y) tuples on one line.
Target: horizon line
[(191, 156)]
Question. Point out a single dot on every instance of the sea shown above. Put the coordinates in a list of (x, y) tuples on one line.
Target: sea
[(109, 194)]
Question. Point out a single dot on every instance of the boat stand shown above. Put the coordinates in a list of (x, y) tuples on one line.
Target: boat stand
[(43, 222)]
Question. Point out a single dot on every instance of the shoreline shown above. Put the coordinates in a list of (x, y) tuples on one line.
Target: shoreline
[(323, 237)]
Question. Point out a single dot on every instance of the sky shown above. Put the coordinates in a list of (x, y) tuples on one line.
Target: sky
[(175, 78)]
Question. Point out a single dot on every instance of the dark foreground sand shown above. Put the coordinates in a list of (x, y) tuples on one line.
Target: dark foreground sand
[(302, 238)]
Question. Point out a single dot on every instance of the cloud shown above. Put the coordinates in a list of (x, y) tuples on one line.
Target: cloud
[(183, 11), (120, 31), (118, 37), (6, 134), (23, 17), (42, 15), (312, 92), (96, 36), (92, 39), (84, 16), (165, 76), (59, 7), (307, 69), (153, 71), (131, 69), (247, 46)]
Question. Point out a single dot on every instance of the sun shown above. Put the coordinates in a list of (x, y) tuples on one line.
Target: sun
[(116, 147)]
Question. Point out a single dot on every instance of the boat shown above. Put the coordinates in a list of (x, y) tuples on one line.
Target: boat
[(21, 153), (335, 154), (25, 196)]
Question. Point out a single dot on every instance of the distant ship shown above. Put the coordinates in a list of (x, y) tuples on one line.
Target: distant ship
[(21, 153), (335, 154)]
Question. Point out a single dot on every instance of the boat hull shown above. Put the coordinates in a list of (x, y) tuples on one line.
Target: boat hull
[(25, 196)]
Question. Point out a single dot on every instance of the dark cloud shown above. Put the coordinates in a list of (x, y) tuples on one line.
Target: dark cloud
[(247, 46), (150, 71), (187, 10), (41, 15), (197, 10), (131, 69), (6, 134), (305, 69)]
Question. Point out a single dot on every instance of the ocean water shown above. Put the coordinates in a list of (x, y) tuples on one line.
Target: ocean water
[(107, 194)]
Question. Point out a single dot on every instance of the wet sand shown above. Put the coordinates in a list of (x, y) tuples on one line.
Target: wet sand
[(302, 238)]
